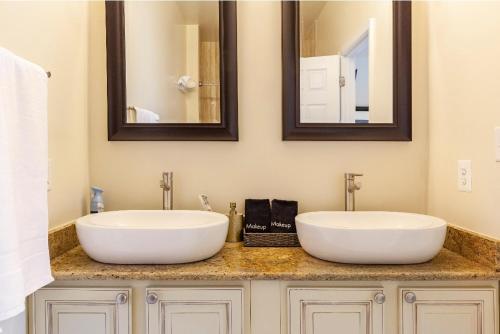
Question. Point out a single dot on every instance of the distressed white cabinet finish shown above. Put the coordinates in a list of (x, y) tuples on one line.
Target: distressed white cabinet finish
[(265, 307), (334, 311), (448, 311), (80, 311), (195, 310)]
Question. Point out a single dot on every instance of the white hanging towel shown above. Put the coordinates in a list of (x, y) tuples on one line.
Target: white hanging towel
[(146, 116), (24, 256)]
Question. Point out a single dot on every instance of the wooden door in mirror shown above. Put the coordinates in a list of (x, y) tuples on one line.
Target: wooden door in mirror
[(172, 70), (346, 70)]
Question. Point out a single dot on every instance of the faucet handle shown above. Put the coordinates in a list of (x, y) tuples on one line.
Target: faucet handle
[(166, 180), (204, 202), (354, 186), (164, 185)]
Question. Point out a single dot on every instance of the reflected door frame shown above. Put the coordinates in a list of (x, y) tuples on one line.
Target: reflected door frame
[(399, 130)]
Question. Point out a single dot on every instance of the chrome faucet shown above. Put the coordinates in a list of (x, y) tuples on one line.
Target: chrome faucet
[(351, 186), (167, 185)]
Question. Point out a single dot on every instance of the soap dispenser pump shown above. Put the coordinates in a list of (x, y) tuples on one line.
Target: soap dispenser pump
[(96, 200), (235, 230)]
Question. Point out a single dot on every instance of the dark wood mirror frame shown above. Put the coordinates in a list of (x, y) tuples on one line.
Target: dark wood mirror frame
[(399, 130), (120, 130)]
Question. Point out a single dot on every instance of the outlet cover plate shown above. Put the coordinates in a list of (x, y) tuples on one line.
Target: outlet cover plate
[(464, 176)]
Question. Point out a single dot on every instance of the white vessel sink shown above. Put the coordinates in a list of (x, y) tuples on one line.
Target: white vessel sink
[(152, 237), (371, 237)]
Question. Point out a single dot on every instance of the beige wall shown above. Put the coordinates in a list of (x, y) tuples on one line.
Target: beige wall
[(54, 35), (260, 164), (152, 73), (462, 103), (464, 99)]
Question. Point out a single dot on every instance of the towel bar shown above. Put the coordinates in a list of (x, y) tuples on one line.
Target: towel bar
[(201, 84)]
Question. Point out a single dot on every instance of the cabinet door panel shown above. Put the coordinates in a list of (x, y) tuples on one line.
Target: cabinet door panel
[(196, 310), (334, 311), (350, 319), (82, 319), (80, 311), (448, 311), (195, 318)]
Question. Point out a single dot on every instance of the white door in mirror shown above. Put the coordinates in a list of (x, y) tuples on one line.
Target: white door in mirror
[(370, 237), (152, 236), (320, 89)]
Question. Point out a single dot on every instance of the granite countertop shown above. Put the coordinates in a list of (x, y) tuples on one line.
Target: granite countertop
[(235, 262)]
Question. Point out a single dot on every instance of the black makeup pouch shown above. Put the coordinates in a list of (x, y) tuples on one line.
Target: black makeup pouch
[(257, 216), (283, 216)]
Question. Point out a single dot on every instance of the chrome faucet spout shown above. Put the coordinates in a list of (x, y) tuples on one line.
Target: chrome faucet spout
[(351, 186), (167, 185)]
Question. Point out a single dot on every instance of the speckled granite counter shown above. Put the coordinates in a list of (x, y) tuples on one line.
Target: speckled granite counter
[(235, 262)]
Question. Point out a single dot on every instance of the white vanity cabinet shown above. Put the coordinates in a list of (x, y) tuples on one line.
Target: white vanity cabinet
[(448, 311), (80, 311), (332, 310), (394, 308), (194, 310), (265, 307)]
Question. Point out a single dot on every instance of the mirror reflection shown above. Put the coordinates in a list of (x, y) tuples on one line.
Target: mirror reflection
[(346, 62), (172, 68)]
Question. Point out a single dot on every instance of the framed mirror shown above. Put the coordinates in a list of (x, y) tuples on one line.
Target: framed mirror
[(172, 70), (346, 70)]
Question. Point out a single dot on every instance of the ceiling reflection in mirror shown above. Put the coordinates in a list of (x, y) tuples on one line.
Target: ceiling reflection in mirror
[(172, 61), (346, 62)]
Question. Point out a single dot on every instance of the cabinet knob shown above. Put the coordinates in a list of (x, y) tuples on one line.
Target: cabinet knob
[(410, 297), (379, 298), (152, 298), (121, 298)]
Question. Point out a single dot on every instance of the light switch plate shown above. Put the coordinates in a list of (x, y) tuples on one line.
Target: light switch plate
[(497, 143), (464, 176)]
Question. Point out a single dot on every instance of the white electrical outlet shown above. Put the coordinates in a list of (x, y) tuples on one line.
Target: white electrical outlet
[(497, 143), (464, 175)]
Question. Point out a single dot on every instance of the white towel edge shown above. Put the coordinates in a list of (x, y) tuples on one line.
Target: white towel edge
[(39, 284), (39, 68), (12, 312), (18, 309)]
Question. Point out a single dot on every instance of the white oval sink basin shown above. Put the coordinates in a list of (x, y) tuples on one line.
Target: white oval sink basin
[(370, 237), (152, 236)]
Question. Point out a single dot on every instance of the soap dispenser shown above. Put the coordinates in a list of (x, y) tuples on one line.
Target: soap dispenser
[(96, 200), (235, 230)]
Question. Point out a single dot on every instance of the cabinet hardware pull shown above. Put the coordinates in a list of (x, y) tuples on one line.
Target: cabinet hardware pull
[(121, 298), (410, 297), (379, 298), (152, 298)]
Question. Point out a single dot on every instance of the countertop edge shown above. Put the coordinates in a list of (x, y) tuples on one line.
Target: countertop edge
[(75, 265)]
